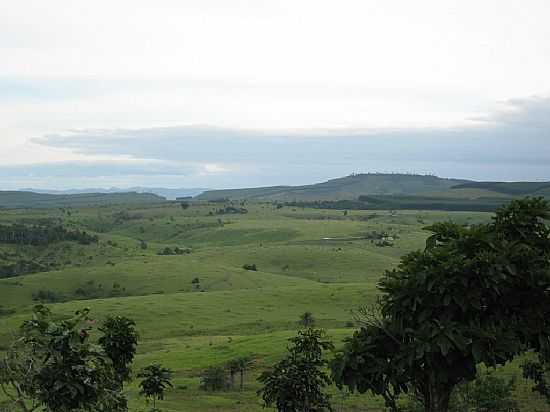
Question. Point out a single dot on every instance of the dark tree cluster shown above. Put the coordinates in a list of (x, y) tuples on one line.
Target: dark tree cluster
[(218, 378), (21, 267), (228, 210), (167, 251), (19, 234)]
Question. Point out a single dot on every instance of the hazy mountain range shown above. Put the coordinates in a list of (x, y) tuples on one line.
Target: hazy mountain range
[(169, 194)]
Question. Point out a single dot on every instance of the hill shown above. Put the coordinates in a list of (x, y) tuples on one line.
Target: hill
[(202, 308), (510, 188), (168, 193), (17, 199), (345, 188)]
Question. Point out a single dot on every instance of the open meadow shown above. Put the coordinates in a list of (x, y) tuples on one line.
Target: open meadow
[(178, 272)]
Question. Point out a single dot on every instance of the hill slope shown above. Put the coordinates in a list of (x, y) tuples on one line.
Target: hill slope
[(349, 187), (17, 199)]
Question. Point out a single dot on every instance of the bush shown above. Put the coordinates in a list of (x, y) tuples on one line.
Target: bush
[(46, 295), (213, 379)]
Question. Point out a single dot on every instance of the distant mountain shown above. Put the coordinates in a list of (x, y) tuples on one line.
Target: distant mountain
[(20, 199), (345, 188), (169, 194)]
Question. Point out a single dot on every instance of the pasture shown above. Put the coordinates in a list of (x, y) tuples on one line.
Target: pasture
[(200, 307)]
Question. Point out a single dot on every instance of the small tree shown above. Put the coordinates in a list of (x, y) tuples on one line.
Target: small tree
[(487, 393), (244, 364), (53, 365), (213, 379), (307, 320), (233, 366), (296, 383), (119, 341), (155, 381), (538, 370)]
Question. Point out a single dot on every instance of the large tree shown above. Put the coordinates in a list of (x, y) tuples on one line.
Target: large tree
[(475, 294)]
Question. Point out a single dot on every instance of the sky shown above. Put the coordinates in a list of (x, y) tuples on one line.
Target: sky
[(237, 93)]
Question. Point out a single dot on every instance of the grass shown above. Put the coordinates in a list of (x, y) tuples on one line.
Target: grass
[(233, 312)]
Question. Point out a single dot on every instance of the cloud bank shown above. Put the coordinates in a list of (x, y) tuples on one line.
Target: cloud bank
[(511, 144)]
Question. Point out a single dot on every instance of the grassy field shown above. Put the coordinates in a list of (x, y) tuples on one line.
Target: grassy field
[(322, 261)]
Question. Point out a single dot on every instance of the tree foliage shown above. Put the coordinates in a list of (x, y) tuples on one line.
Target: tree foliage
[(297, 383), (36, 235), (53, 365), (538, 370), (119, 341), (155, 381), (307, 320), (213, 379), (477, 294)]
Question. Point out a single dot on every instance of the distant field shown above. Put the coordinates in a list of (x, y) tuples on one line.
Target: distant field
[(323, 261)]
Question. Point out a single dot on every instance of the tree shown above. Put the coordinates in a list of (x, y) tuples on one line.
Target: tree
[(296, 383), (307, 320), (487, 393), (477, 294), (52, 365), (155, 380), (213, 379), (119, 341), (233, 366), (244, 363), (538, 370)]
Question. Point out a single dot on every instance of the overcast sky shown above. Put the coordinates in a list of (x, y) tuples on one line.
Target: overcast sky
[(232, 93)]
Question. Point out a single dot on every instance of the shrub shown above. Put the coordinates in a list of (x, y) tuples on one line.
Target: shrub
[(213, 379)]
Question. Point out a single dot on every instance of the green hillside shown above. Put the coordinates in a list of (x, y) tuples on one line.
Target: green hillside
[(19, 199), (349, 187), (201, 308), (510, 188)]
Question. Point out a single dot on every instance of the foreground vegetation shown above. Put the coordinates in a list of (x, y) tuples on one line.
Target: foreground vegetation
[(202, 309)]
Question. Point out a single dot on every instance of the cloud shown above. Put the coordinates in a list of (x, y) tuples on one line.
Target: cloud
[(532, 112), (510, 144)]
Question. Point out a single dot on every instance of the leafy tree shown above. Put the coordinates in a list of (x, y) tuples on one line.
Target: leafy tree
[(155, 379), (52, 365), (477, 294), (119, 341), (213, 379), (307, 320), (296, 383), (184, 205)]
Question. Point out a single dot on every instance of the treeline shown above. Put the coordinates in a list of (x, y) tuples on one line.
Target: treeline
[(36, 235), (399, 202), (21, 267)]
